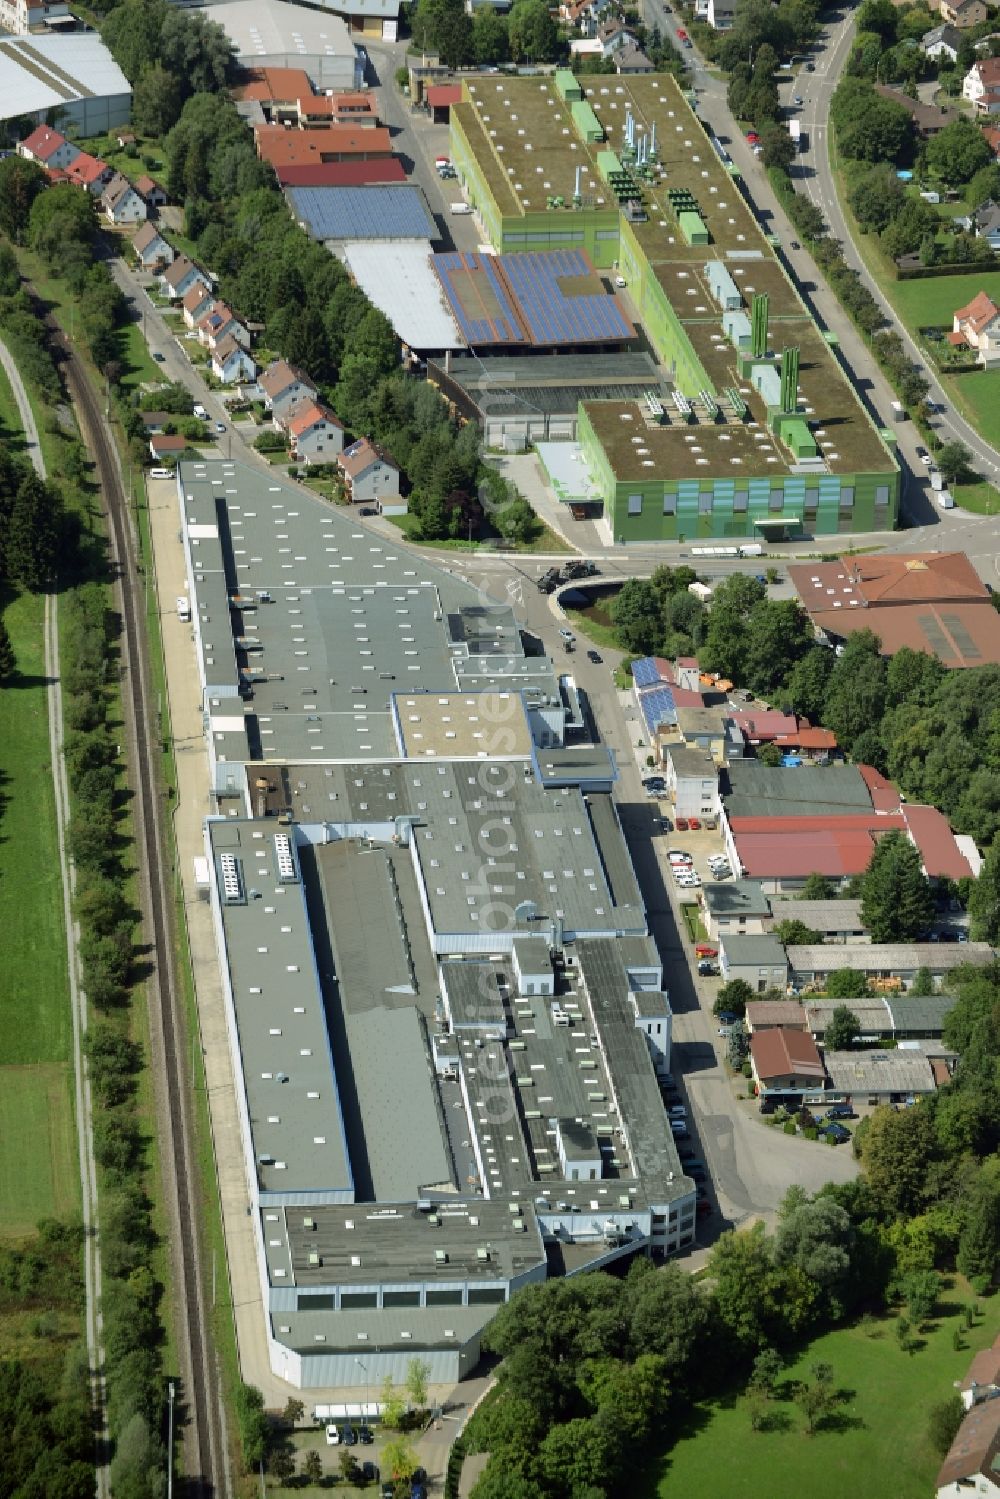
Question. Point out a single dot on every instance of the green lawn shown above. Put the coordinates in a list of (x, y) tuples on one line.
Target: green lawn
[(38, 1167), (981, 497), (875, 1443), (933, 301), (593, 629), (978, 396)]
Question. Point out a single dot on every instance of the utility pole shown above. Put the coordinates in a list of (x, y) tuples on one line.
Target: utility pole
[(170, 1440)]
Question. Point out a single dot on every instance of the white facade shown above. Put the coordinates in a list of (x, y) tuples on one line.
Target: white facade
[(73, 73), (20, 16)]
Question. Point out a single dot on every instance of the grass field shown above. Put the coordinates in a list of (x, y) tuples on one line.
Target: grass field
[(931, 302), (874, 1443), (978, 396), (38, 1167), (981, 498)]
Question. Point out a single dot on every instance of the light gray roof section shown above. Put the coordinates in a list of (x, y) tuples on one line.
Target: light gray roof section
[(383, 211), (689, 761), (408, 1328), (473, 995), (288, 1070), (879, 1071), (873, 1015), (532, 954), (919, 1014), (50, 72), (615, 856), (265, 28), (393, 269), (576, 764), (744, 951), (404, 1134), (820, 915), (889, 958), (736, 898), (804, 791)]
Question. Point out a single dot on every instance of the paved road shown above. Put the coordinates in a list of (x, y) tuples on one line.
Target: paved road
[(815, 175), (78, 1000)]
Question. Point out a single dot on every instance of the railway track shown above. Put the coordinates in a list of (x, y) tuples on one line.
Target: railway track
[(197, 1407)]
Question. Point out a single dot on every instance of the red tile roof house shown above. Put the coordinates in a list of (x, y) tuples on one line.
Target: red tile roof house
[(972, 1465), (231, 362), (167, 446), (48, 148), (283, 385), (195, 303), (978, 325), (371, 477), (982, 1381), (89, 172), (785, 1061), (316, 434)]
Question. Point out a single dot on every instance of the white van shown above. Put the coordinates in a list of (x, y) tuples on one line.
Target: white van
[(459, 208), (200, 412), (183, 607), (161, 473)]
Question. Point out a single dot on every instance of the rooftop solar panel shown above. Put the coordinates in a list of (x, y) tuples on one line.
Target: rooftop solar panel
[(504, 299), (644, 672), (658, 707)]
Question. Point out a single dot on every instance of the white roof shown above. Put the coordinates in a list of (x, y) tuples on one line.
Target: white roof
[(82, 66), (266, 28), (398, 278)]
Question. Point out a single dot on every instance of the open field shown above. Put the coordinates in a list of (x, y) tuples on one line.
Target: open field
[(978, 396), (38, 1168), (874, 1442), (981, 498), (933, 301)]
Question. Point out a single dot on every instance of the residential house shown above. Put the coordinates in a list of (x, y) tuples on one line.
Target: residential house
[(371, 477), (692, 781), (785, 1061), (775, 1014), (153, 422), (982, 1379), (583, 15), (195, 303), (984, 223), (315, 434), (978, 325), (991, 135), (121, 203), (152, 250), (760, 961), (972, 1465), (178, 278), (231, 362), (163, 446), (981, 78), (89, 172), (631, 59), (887, 966), (283, 385), (48, 148), (735, 908), (150, 190), (928, 119), (612, 35), (962, 13), (835, 920), (943, 41), (721, 14), (216, 323)]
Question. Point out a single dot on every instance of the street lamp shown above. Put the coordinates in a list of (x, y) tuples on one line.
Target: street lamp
[(364, 1369), (170, 1439)]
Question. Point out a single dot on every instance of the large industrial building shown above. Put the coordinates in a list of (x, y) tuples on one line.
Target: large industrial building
[(73, 74), (762, 434), (445, 1011)]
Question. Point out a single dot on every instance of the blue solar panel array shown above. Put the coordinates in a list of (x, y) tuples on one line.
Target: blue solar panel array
[(503, 328), (552, 317), (380, 211), (644, 672), (533, 308), (658, 707)]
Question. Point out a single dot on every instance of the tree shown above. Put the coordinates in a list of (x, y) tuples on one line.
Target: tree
[(747, 1290), (817, 1237), (8, 661), (876, 198), (768, 1368), (156, 101), (895, 1152), (979, 1244), (846, 983), (294, 1411), (804, 691), (880, 130), (984, 897), (920, 1292), (517, 522), (842, 1029), (532, 32), (725, 645), (252, 1424), (769, 755), (393, 1405), (489, 38), (635, 614), (796, 934), (733, 997), (817, 887), (416, 1381), (943, 1421), (281, 1464), (958, 151), (983, 186), (879, 16), (954, 462), (814, 1400), (21, 181), (855, 697), (399, 1459), (896, 899), (312, 1466), (777, 148)]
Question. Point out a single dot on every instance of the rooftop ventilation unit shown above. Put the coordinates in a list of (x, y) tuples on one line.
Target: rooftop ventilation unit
[(286, 862), (232, 880)]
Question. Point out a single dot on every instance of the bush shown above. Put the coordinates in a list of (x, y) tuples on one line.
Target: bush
[(789, 1127)]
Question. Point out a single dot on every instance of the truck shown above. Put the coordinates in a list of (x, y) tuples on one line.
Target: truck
[(795, 131), (898, 410), (946, 499), (937, 480), (183, 607)]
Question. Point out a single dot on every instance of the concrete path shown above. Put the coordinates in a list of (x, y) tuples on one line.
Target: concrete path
[(78, 1000)]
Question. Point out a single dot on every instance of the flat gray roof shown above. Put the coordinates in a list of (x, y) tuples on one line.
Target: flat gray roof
[(744, 950), (404, 1329), (916, 1012), (576, 763), (323, 621), (879, 1071), (261, 28), (473, 995), (404, 1134), (551, 383), (905, 1014), (803, 791), (736, 898), (688, 760), (289, 1078), (820, 915), (889, 958)]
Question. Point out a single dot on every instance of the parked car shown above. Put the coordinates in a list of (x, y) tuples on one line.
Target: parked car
[(707, 969), (837, 1133), (567, 633), (666, 826), (727, 1017), (690, 881), (595, 657), (682, 824), (682, 1133), (694, 824), (695, 1170), (332, 1436), (840, 1111), (679, 856), (348, 1436), (677, 1110), (752, 137), (369, 1472), (160, 358), (704, 1209), (706, 950), (797, 99)]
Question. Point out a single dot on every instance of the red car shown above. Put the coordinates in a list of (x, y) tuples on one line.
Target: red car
[(753, 137), (682, 35), (681, 824), (704, 950), (694, 824)]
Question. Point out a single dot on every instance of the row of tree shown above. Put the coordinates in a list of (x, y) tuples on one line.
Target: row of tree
[(598, 1372), (527, 33)]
